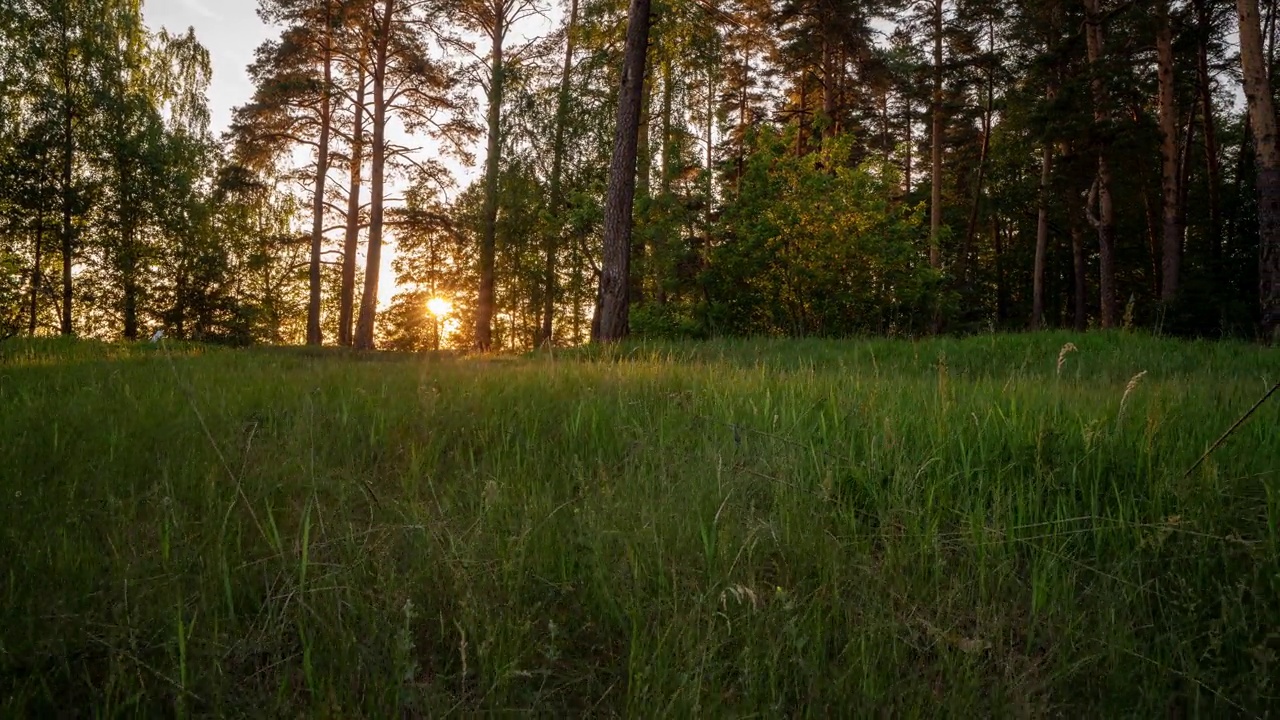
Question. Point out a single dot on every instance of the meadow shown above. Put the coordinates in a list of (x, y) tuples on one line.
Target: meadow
[(990, 526)]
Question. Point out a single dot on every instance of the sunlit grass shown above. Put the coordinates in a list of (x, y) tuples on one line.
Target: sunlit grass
[(979, 526)]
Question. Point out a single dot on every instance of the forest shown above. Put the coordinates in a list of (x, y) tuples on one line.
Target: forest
[(669, 169), (658, 358)]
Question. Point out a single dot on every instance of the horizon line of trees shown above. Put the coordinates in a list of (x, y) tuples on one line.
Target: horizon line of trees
[(669, 168)]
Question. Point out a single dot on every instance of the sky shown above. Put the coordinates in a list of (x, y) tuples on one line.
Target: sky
[(231, 30)]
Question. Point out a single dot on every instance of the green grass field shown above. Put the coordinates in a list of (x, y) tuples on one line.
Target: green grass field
[(947, 527)]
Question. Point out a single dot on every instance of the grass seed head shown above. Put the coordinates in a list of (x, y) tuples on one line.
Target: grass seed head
[(1063, 353), (741, 594), (1129, 388)]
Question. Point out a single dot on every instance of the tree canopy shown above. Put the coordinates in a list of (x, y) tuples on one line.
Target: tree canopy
[(594, 168)]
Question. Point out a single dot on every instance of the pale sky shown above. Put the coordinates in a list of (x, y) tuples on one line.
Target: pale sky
[(231, 30)]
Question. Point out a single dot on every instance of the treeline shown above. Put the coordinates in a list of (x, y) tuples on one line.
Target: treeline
[(793, 167)]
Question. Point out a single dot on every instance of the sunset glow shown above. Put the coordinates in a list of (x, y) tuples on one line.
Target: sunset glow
[(439, 307)]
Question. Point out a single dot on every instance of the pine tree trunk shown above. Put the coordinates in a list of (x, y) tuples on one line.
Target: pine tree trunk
[(644, 161), (614, 310), (1257, 88), (1171, 231), (1079, 266), (741, 160), (351, 241), (828, 88), (1105, 220), (36, 279), (489, 212), (971, 235), (314, 333), (1212, 162), (660, 252), (1153, 229), (68, 164), (710, 189), (1042, 239), (908, 161), (550, 290), (800, 113), (997, 246), (1269, 36), (373, 262), (935, 210), (886, 147)]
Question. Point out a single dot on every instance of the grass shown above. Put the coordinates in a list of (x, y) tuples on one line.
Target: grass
[(946, 527)]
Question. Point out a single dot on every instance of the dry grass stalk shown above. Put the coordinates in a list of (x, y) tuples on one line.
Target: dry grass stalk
[(1063, 353)]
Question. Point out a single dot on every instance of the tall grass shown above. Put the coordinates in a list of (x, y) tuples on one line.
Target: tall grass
[(965, 527)]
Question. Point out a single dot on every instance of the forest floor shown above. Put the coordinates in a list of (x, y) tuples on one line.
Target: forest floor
[(986, 526)]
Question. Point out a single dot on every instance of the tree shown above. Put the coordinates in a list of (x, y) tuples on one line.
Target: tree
[(293, 105), (555, 203), (938, 122), (612, 320), (1103, 220), (407, 83), (494, 19), (355, 177), (1262, 117), (1172, 229)]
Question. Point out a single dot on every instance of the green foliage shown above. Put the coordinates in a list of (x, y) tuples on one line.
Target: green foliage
[(814, 245), (666, 321), (982, 527), (11, 295), (162, 233)]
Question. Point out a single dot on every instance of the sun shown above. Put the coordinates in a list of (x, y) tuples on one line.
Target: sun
[(439, 306)]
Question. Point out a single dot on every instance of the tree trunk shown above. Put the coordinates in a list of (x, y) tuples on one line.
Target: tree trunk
[(1269, 36), (1257, 88), (1171, 231), (68, 164), (129, 283), (315, 335), (613, 310), (886, 147), (906, 175), (742, 129), (710, 189), (1212, 162), (546, 336), (997, 245), (351, 241), (1153, 229), (373, 263), (578, 283), (935, 210), (1079, 267), (1042, 238), (1105, 220), (660, 252), (489, 212), (828, 87), (972, 232), (1184, 168), (644, 161), (800, 112), (32, 320)]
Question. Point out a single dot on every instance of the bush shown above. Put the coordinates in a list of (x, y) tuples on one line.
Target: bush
[(816, 245), (667, 321)]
